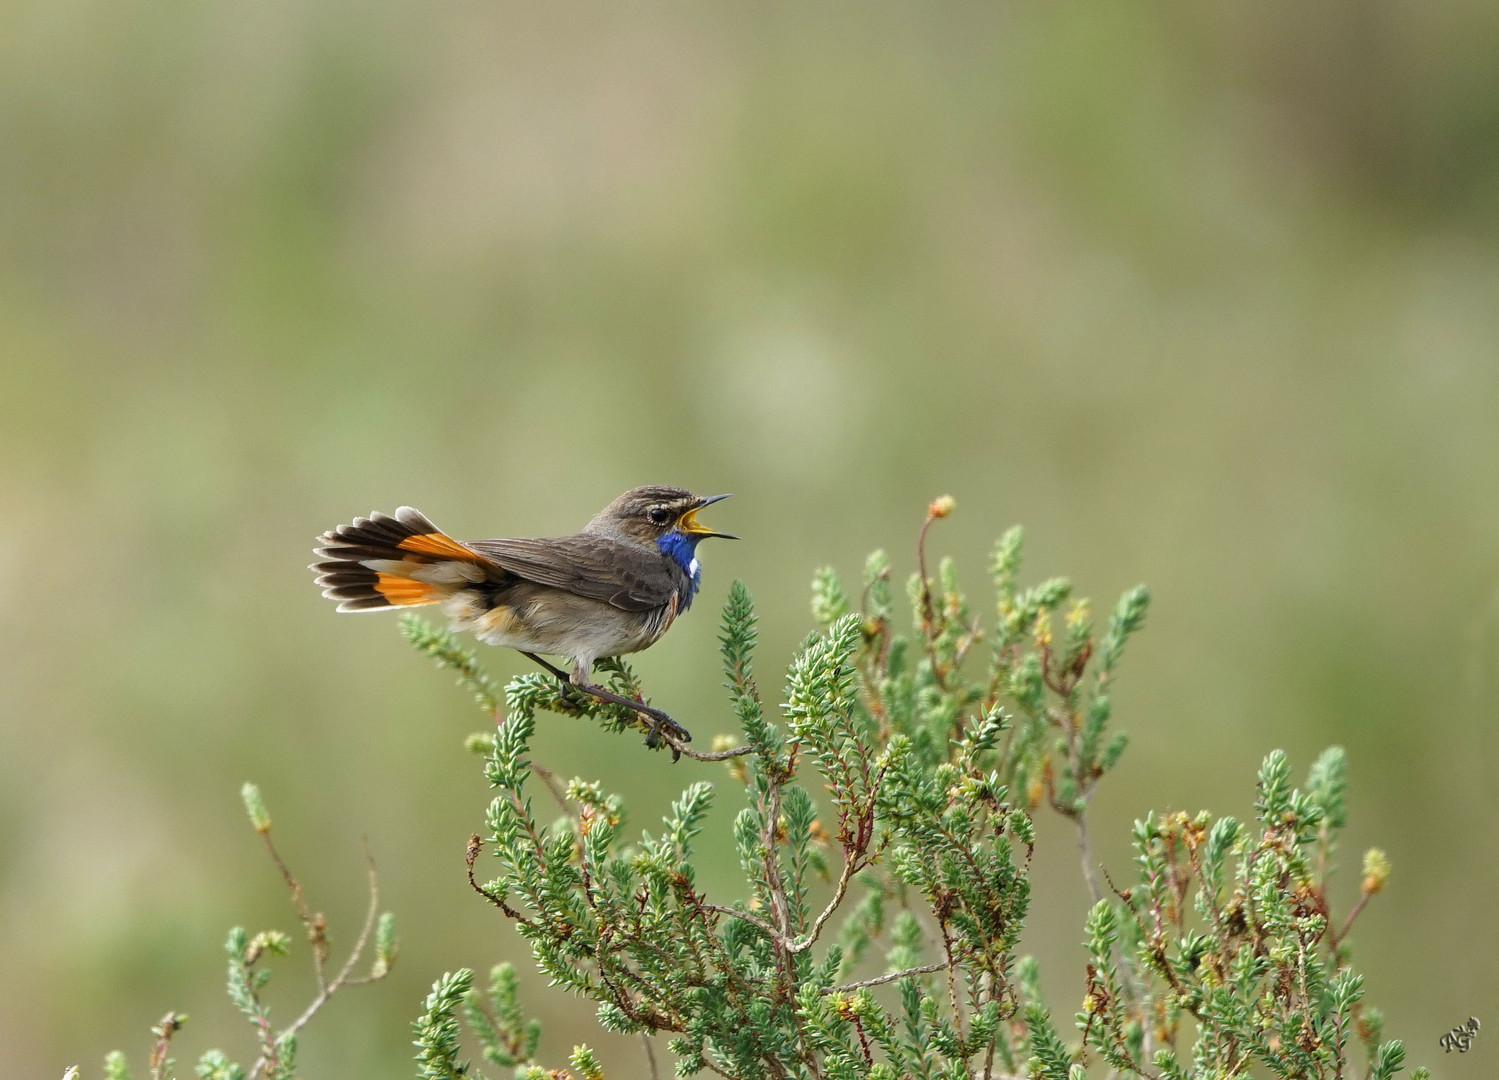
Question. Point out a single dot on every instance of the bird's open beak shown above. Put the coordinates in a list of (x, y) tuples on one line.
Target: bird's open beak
[(690, 525)]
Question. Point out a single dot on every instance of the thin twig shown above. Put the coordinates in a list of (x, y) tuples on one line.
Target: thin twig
[(784, 939), (880, 980), (928, 611), (327, 990), (1081, 820), (1338, 938), (850, 865), (754, 920), (313, 923), (371, 914), (475, 845), (699, 755), (715, 1068), (952, 992), (771, 819)]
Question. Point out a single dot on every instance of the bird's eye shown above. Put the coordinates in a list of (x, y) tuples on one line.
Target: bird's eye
[(659, 515)]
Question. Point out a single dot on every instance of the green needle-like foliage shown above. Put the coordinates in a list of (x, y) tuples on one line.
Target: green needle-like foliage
[(1229, 928), (437, 1028), (885, 849)]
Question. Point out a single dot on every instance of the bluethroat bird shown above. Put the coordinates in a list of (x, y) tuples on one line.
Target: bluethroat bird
[(613, 588)]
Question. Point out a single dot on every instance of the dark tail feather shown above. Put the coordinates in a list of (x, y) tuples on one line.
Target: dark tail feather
[(382, 561)]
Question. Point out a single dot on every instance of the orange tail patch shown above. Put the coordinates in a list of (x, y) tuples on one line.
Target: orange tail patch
[(401, 591), (437, 544)]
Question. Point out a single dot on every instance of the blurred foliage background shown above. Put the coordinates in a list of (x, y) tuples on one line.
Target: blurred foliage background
[(1206, 296)]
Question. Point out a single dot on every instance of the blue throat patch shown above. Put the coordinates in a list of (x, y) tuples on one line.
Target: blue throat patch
[(683, 549)]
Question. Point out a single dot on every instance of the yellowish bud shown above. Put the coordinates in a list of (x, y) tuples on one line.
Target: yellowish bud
[(480, 742), (736, 765), (1376, 870)]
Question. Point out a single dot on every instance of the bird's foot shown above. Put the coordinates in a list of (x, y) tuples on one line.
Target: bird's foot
[(661, 722)]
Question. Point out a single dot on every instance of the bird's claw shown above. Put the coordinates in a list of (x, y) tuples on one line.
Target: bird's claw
[(661, 722)]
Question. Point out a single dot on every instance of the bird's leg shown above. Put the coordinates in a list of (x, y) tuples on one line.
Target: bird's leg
[(553, 668), (659, 720), (562, 676)]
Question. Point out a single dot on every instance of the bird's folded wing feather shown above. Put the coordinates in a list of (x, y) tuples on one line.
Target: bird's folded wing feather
[(628, 576)]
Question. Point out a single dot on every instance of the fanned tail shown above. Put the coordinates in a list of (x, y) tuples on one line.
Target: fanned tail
[(403, 561)]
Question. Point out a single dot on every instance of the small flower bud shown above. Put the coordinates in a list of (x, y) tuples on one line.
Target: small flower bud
[(480, 742), (1376, 870), (941, 506), (260, 817)]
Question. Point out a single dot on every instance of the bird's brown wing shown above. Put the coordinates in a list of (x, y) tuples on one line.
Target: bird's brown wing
[(628, 576)]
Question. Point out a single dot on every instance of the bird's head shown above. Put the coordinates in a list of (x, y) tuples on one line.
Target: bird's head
[(648, 515)]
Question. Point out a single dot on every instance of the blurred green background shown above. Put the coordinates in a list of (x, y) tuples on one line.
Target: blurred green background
[(1206, 296)]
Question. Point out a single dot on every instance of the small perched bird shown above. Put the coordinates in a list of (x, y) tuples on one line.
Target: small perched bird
[(613, 588)]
